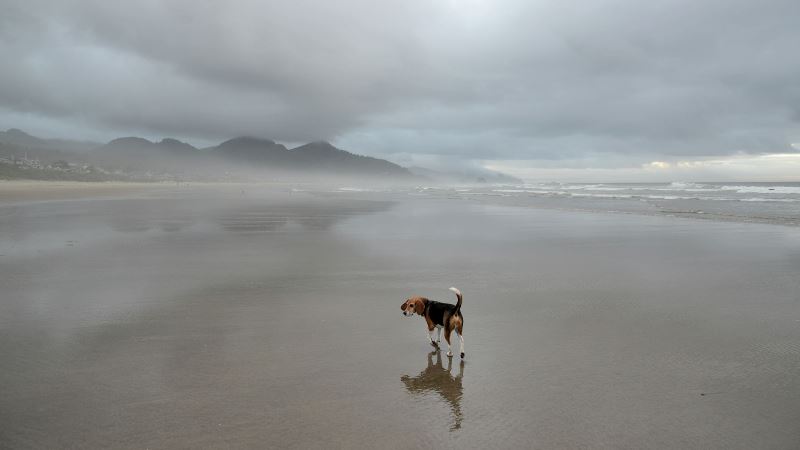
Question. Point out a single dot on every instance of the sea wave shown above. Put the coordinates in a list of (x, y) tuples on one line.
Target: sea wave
[(601, 195), (762, 199), (691, 191), (770, 190), (683, 185), (356, 189)]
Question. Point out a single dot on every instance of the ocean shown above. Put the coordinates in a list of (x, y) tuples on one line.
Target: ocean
[(761, 202)]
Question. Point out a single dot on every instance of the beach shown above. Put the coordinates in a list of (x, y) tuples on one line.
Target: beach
[(19, 191), (266, 316)]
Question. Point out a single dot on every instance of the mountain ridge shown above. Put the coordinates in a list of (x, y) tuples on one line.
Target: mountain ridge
[(249, 153), (242, 154)]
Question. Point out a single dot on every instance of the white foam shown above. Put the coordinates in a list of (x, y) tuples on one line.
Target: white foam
[(355, 189), (672, 197), (771, 190), (602, 195), (761, 199)]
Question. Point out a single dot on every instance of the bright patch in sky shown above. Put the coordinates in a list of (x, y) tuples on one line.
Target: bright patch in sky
[(770, 167)]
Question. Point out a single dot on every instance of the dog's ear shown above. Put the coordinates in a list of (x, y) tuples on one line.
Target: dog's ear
[(419, 306), (403, 306)]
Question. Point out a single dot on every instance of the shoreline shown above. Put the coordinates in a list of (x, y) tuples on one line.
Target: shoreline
[(21, 191), (24, 191), (655, 211)]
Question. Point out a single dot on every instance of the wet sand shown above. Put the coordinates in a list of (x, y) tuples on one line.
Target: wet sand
[(21, 191), (208, 318)]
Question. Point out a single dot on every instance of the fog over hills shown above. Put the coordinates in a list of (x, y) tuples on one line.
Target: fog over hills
[(241, 157), (465, 176), (246, 155), (15, 136), (251, 150), (136, 147), (324, 156), (15, 143)]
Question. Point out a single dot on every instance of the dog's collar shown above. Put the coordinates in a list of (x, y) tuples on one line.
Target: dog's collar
[(427, 305)]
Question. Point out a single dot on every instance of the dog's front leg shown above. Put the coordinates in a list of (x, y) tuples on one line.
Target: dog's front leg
[(430, 337), (438, 334)]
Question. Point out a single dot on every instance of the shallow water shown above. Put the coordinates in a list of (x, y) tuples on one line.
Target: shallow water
[(271, 319), (771, 203)]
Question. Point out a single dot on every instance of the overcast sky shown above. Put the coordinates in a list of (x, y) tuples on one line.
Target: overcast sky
[(553, 88)]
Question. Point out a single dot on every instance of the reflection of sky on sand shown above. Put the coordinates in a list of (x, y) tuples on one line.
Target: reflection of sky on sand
[(435, 379), (82, 261), (36, 227)]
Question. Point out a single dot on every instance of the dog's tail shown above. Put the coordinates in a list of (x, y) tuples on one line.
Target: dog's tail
[(460, 298)]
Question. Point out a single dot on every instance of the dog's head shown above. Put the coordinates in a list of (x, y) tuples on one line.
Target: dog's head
[(413, 305)]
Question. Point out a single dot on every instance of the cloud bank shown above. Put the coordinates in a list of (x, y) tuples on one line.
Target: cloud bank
[(606, 84)]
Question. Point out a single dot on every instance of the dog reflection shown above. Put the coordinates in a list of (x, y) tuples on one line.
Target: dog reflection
[(436, 378)]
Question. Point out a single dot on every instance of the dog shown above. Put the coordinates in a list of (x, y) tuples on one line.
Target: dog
[(438, 315)]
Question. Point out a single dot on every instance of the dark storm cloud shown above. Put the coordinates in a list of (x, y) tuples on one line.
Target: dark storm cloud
[(463, 79)]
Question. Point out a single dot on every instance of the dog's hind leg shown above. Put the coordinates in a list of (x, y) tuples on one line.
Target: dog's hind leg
[(438, 334), (447, 331), (459, 331)]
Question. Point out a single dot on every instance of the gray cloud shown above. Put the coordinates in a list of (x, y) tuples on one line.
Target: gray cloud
[(469, 79)]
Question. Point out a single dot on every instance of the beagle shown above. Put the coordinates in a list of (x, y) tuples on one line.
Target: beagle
[(438, 315)]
